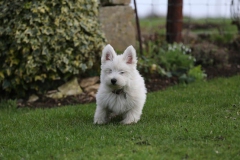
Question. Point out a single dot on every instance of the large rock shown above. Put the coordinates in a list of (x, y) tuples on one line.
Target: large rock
[(33, 98), (89, 81), (55, 95), (117, 24), (93, 88), (70, 88)]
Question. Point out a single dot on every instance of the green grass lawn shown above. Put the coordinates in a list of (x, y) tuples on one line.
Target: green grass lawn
[(196, 121)]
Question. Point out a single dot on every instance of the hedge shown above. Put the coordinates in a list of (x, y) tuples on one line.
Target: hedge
[(44, 41)]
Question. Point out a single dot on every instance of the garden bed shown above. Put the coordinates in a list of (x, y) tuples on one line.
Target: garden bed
[(153, 83), (158, 82)]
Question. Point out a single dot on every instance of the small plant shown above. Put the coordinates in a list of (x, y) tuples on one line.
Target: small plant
[(194, 74), (176, 59), (197, 73), (172, 60), (148, 62)]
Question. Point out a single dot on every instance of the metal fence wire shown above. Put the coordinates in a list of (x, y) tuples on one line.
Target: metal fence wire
[(203, 17)]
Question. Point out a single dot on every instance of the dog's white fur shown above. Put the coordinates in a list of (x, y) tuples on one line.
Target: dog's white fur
[(120, 69)]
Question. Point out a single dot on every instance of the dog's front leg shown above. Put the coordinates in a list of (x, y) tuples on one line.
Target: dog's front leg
[(132, 116), (101, 115)]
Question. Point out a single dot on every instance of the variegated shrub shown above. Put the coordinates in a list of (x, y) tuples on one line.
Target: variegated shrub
[(44, 41)]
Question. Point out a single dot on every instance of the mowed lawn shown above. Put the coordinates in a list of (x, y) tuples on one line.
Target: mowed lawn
[(196, 121)]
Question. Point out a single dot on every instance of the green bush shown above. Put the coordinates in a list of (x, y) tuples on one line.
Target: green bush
[(170, 60), (196, 73), (45, 41), (176, 59), (193, 74), (148, 62)]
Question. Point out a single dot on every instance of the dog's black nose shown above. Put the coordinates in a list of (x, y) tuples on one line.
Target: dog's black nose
[(113, 81)]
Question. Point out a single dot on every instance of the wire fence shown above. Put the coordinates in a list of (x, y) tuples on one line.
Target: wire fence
[(192, 8), (202, 17)]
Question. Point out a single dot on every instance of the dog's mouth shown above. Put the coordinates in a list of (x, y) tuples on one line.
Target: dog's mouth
[(115, 87), (119, 92)]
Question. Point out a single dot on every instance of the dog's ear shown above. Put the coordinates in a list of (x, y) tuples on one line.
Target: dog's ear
[(129, 55), (108, 53)]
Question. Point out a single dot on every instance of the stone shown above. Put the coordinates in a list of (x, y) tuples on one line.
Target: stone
[(89, 81), (92, 88), (118, 26), (33, 98), (55, 95), (93, 94), (70, 88)]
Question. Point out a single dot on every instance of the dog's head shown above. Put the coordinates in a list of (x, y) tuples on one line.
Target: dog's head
[(117, 70)]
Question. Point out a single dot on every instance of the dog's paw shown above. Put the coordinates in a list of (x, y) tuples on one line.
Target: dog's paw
[(128, 121), (100, 121)]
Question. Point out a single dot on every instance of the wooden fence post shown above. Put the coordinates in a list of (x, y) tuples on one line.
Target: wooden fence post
[(174, 21)]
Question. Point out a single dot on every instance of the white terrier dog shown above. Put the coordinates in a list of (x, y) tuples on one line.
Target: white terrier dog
[(122, 90)]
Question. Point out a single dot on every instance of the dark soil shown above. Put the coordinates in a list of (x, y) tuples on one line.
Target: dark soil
[(233, 68)]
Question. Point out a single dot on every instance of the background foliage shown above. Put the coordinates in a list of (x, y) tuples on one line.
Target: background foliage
[(45, 41), (171, 60)]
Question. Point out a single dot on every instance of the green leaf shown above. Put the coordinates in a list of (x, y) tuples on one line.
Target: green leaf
[(45, 51), (6, 84), (47, 31), (1, 75)]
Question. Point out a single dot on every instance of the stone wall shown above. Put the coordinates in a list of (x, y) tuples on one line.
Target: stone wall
[(118, 23)]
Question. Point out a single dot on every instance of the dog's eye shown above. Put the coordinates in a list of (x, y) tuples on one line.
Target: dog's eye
[(109, 71), (122, 72)]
